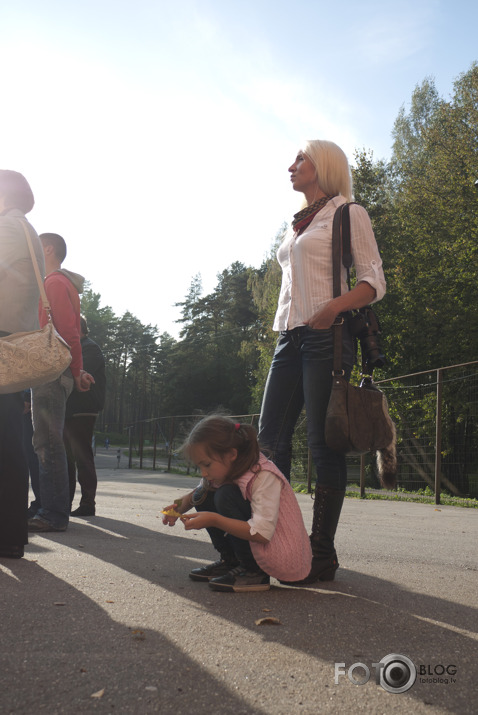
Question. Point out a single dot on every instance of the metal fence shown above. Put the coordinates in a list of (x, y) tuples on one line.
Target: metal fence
[(436, 414)]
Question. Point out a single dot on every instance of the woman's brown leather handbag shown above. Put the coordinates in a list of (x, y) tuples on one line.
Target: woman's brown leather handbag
[(357, 419)]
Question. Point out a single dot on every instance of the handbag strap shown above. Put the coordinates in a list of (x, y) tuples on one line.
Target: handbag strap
[(41, 287), (341, 246), (341, 254), (337, 251)]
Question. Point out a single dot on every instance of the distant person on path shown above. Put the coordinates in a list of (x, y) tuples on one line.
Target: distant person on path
[(82, 409), (301, 368), (49, 401), (18, 313), (246, 505), (107, 443)]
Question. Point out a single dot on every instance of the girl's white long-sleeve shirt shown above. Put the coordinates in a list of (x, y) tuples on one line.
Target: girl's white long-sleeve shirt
[(265, 502)]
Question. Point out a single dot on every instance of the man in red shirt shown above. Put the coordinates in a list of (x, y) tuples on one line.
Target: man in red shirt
[(49, 401)]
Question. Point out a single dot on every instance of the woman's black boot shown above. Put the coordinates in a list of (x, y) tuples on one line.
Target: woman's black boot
[(327, 507)]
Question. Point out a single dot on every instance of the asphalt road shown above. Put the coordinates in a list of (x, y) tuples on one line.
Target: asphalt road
[(103, 618)]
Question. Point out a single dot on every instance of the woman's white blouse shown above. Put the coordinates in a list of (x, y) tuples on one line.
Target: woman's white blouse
[(306, 263)]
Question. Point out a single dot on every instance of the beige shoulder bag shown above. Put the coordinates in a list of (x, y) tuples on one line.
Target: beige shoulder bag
[(33, 358)]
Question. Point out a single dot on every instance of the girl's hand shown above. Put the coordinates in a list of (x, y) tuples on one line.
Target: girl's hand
[(200, 520), (170, 520)]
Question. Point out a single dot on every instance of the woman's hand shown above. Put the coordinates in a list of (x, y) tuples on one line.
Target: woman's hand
[(324, 318), (201, 520), (362, 294)]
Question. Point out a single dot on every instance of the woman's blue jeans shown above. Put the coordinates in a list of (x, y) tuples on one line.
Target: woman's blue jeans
[(301, 374)]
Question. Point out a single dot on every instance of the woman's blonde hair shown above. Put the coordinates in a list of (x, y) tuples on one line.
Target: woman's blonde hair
[(219, 434), (332, 167)]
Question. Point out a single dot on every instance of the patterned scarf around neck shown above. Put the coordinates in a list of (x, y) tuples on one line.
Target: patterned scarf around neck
[(302, 218)]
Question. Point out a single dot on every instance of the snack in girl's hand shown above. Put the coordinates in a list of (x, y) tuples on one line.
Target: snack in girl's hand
[(174, 513)]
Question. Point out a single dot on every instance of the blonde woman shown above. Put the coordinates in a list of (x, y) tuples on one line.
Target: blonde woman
[(301, 368)]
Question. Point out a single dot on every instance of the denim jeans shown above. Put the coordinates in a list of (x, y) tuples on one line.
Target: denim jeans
[(228, 501), (48, 409), (301, 373)]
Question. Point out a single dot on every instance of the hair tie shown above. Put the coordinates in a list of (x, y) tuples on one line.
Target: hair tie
[(237, 426)]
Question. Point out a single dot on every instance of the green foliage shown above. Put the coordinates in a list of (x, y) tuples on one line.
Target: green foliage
[(265, 286), (418, 496), (433, 292), (211, 367), (216, 358)]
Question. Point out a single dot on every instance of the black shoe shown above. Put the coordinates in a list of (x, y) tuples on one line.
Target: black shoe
[(240, 579), (11, 552), (322, 570), (40, 525), (218, 568), (84, 510)]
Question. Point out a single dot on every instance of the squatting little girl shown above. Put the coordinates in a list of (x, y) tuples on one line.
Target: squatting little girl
[(248, 508)]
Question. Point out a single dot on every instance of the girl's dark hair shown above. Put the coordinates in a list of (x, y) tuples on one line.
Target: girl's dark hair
[(219, 434)]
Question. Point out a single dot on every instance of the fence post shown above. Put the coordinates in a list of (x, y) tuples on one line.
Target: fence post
[(155, 444), (141, 444), (171, 437), (362, 476), (438, 436), (130, 459)]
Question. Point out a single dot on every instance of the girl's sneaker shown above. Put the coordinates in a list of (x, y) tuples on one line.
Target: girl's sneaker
[(219, 568), (240, 579)]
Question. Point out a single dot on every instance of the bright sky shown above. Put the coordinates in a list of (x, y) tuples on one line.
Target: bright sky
[(156, 134)]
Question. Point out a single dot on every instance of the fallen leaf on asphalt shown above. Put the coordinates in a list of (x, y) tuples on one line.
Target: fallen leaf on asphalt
[(268, 621), (109, 601), (437, 509), (59, 603), (267, 610), (98, 694), (138, 635)]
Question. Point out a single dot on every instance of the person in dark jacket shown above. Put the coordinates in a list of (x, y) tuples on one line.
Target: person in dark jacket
[(82, 410)]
